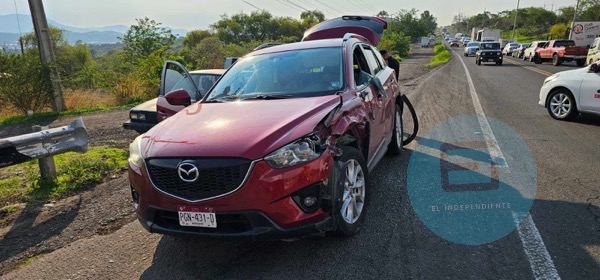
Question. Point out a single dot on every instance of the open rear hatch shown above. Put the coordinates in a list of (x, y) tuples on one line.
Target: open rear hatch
[(366, 26)]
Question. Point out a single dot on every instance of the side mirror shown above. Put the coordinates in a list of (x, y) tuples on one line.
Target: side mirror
[(594, 67), (179, 97)]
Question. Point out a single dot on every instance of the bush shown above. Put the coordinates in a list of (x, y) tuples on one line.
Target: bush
[(441, 55)]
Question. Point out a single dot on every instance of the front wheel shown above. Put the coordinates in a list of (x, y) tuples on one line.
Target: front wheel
[(499, 63), (537, 59), (479, 61), (561, 105), (355, 195), (395, 147)]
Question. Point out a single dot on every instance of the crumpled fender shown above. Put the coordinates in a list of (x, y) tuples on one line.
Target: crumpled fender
[(352, 116)]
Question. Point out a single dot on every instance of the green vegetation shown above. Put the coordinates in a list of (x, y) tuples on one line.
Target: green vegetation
[(441, 55), (405, 27), (21, 183), (534, 23)]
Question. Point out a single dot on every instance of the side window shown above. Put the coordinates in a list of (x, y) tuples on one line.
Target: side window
[(361, 68), (379, 57), (372, 60)]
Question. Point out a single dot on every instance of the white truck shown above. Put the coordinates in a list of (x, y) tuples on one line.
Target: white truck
[(487, 34)]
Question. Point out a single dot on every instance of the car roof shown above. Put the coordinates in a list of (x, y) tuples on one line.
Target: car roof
[(209, 71), (313, 44)]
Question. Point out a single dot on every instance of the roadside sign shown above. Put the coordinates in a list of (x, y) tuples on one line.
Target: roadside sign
[(584, 32)]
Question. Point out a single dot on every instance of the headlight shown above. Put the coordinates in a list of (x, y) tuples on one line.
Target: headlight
[(299, 152), (142, 116), (135, 152), (551, 78), (133, 115)]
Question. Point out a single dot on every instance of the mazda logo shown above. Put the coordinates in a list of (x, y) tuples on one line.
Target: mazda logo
[(188, 172)]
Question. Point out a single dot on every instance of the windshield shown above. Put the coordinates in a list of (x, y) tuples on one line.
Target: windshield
[(514, 45), (559, 44), (474, 44), (298, 73), (489, 46)]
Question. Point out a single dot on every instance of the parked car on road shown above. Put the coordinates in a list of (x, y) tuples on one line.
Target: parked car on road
[(471, 48), (530, 51), (559, 51), (454, 43), (568, 93), (520, 50), (508, 49), (282, 145), (489, 52), (145, 116)]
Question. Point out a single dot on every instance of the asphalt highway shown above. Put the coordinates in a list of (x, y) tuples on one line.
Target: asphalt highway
[(556, 235)]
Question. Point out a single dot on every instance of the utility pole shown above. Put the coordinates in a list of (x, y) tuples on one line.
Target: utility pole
[(42, 32), (573, 22), (515, 25)]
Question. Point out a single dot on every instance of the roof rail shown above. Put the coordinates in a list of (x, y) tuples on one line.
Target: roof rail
[(348, 36)]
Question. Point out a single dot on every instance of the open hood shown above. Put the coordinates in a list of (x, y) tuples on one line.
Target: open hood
[(366, 26)]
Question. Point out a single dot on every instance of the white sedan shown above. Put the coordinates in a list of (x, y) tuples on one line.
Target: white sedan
[(568, 93)]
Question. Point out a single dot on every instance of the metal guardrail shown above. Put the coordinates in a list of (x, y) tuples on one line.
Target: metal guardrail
[(43, 145)]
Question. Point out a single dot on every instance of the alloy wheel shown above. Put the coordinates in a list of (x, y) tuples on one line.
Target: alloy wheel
[(354, 192), (560, 105)]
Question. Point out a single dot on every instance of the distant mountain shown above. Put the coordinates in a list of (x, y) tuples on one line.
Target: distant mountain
[(9, 29)]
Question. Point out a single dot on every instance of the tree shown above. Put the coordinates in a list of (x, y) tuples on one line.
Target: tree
[(25, 85), (208, 54), (428, 22), (259, 26), (194, 37), (395, 42), (310, 18), (559, 31), (383, 14), (146, 37)]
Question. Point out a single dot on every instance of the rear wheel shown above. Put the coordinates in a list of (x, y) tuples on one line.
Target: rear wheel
[(580, 62), (561, 105), (355, 195), (395, 147), (556, 60)]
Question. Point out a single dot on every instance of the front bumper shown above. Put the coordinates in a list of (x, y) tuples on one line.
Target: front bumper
[(246, 225), (265, 202), (140, 127), (490, 58), (544, 91)]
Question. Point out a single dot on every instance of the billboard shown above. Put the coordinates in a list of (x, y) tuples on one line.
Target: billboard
[(584, 32)]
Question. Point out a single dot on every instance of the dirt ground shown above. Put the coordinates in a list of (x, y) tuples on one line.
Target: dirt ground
[(40, 229)]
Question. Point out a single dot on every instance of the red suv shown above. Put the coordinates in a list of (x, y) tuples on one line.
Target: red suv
[(281, 147)]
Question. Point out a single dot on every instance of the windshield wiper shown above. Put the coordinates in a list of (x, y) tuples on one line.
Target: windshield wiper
[(269, 97), (223, 99)]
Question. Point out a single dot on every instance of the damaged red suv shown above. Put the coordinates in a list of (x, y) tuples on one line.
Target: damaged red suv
[(281, 147)]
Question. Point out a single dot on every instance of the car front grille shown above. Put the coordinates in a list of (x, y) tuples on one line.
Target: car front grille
[(216, 177)]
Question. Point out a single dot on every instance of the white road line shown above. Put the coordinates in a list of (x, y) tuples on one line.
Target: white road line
[(488, 134), (533, 245)]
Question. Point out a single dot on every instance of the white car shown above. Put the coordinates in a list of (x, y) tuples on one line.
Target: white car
[(568, 93), (508, 49)]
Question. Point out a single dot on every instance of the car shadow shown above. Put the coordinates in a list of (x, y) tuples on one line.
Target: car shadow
[(390, 245), (27, 232)]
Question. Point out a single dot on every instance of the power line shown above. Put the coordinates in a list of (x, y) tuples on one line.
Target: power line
[(288, 5), (252, 5), (306, 2), (332, 8), (305, 9)]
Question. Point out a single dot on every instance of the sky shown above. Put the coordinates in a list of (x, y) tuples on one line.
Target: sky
[(199, 14)]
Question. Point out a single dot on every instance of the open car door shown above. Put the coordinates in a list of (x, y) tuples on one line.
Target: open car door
[(174, 77), (366, 26)]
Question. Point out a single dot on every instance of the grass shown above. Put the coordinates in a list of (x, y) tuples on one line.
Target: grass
[(78, 101), (29, 261), (441, 56), (21, 183)]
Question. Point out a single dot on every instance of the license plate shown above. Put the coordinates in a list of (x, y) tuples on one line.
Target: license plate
[(197, 217)]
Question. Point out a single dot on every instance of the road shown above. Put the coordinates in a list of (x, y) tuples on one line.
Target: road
[(560, 239)]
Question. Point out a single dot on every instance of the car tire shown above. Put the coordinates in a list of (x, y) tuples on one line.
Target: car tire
[(395, 146), (479, 61), (591, 61), (580, 63), (556, 105), (355, 193), (499, 63), (537, 59), (556, 60)]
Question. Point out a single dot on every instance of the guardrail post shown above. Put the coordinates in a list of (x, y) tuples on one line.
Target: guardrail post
[(46, 164)]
